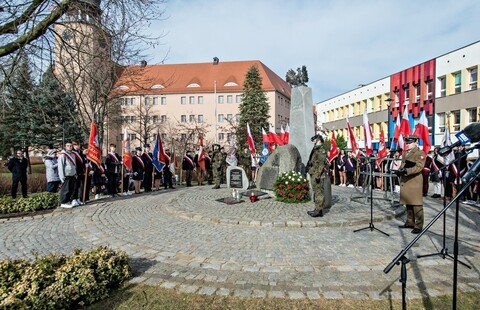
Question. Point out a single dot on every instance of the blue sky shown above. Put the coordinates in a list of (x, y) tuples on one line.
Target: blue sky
[(343, 43)]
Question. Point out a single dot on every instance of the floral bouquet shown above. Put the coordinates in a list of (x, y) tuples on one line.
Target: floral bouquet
[(291, 187)]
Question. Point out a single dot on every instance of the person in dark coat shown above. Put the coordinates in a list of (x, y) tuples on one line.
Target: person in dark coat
[(18, 167), (113, 164), (138, 169), (147, 160), (350, 167), (188, 166)]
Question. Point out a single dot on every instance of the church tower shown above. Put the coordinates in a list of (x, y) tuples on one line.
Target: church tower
[(83, 61)]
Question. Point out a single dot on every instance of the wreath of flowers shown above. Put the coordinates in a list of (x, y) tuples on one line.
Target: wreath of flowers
[(291, 187)]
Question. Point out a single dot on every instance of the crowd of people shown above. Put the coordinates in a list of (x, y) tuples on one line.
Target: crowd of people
[(70, 172)]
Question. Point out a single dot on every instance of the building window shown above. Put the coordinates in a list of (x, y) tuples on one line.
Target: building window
[(443, 86), (458, 82), (200, 99), (133, 119), (229, 99), (407, 94), (229, 117), (183, 100), (220, 118), (472, 115), (164, 136), (183, 137), (229, 137), (417, 93), (220, 99), (429, 90), (441, 122), (200, 118), (132, 101), (163, 118), (456, 120), (183, 118), (473, 78), (163, 100), (238, 116), (122, 101), (238, 98), (155, 118), (221, 136), (397, 101), (155, 100), (133, 137), (191, 100), (192, 118), (147, 100)]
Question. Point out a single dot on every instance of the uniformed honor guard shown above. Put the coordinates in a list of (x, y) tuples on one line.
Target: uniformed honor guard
[(317, 167), (147, 161), (113, 163), (411, 181), (217, 164)]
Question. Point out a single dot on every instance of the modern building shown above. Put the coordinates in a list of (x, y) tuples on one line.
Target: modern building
[(445, 87)]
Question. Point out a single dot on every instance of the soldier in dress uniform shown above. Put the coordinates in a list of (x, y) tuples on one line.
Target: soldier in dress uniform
[(217, 164), (147, 161), (317, 167), (411, 181)]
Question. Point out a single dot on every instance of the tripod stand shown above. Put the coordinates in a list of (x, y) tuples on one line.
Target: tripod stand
[(370, 225), (443, 253)]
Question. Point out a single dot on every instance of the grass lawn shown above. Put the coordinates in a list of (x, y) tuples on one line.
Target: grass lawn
[(154, 297)]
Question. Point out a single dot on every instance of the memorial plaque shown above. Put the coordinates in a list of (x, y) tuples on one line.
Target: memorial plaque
[(237, 178)]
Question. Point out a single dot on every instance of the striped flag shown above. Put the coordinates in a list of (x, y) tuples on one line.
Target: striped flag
[(251, 145), (368, 133), (127, 154), (422, 132), (351, 140), (159, 156), (333, 149)]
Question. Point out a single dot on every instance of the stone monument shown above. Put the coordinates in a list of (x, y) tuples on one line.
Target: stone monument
[(302, 127), (285, 158)]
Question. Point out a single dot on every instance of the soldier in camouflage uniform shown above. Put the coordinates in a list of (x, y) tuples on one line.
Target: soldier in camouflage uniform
[(217, 163), (317, 167)]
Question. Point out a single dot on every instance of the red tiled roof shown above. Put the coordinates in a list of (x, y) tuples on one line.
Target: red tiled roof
[(176, 77)]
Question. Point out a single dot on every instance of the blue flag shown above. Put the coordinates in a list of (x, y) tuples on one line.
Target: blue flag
[(265, 153), (159, 155)]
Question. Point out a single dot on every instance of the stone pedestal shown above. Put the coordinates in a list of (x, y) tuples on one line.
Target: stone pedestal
[(302, 127)]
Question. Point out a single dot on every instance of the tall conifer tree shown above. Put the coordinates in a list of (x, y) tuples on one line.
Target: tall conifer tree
[(254, 109)]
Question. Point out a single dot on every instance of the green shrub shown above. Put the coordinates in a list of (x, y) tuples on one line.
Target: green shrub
[(61, 282), (36, 202)]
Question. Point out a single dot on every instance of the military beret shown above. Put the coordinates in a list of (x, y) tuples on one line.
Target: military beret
[(410, 139), (216, 145), (317, 137)]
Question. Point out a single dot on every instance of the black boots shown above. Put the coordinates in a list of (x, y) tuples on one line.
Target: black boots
[(315, 213)]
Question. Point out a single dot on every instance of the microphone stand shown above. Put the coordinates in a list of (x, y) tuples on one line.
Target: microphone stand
[(370, 225), (401, 258), (444, 251)]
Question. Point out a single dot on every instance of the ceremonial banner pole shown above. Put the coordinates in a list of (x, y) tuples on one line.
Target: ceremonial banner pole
[(84, 184)]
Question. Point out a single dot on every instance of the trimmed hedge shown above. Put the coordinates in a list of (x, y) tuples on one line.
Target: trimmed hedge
[(62, 282), (35, 202)]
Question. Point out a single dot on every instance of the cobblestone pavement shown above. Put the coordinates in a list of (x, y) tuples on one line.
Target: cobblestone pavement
[(184, 239)]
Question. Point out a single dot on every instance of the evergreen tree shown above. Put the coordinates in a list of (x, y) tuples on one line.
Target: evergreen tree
[(56, 117), (254, 110), (17, 98)]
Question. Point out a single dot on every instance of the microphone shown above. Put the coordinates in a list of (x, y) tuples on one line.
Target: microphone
[(472, 172), (469, 133)]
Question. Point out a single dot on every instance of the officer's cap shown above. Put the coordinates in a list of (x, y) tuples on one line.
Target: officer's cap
[(138, 148), (410, 139), (146, 145)]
